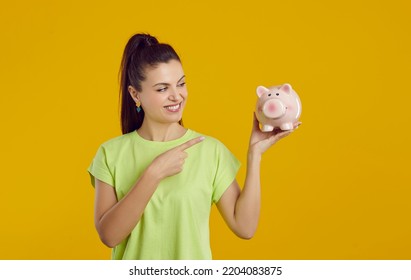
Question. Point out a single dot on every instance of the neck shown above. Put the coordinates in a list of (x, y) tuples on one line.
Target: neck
[(161, 132)]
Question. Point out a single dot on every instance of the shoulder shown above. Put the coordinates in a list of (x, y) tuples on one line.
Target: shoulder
[(118, 142), (210, 142), (208, 139)]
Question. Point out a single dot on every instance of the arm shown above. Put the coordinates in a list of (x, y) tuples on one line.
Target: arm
[(241, 208), (114, 220)]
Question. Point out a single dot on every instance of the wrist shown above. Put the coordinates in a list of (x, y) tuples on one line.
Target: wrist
[(152, 174), (253, 155)]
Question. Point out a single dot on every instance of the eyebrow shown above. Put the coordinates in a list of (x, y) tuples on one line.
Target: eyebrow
[(167, 84)]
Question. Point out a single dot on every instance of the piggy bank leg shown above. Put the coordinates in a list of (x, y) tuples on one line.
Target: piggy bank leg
[(286, 126), (267, 128)]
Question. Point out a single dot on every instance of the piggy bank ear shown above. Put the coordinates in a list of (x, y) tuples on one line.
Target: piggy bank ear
[(261, 90), (286, 88)]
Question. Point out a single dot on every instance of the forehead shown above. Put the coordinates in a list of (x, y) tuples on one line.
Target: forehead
[(168, 72), (274, 88)]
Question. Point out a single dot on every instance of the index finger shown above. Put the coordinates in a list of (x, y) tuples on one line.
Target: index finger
[(190, 143)]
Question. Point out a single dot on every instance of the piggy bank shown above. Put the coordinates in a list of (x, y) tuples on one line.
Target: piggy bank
[(277, 106)]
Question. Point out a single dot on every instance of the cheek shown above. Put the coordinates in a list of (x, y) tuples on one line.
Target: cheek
[(271, 107), (152, 100), (184, 92)]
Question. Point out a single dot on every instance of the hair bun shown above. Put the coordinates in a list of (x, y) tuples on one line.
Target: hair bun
[(150, 40)]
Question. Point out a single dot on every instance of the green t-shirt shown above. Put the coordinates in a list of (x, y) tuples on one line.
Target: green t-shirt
[(175, 222)]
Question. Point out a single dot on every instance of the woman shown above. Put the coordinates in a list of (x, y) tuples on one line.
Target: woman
[(155, 184)]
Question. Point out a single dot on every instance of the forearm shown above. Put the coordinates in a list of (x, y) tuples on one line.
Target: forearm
[(247, 208), (118, 222)]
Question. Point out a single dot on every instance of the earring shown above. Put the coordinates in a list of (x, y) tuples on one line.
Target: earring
[(138, 108)]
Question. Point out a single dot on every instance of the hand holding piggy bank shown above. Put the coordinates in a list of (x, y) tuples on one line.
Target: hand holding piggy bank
[(277, 106)]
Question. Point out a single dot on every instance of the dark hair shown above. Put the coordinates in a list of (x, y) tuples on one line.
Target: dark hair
[(142, 50)]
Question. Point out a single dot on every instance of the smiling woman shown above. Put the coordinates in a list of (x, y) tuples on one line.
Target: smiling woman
[(162, 96), (141, 52), (155, 184)]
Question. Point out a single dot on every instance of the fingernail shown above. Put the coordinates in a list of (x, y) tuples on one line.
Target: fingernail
[(202, 138)]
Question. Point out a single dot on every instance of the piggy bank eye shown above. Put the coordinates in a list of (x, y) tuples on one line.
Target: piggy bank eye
[(277, 94), (269, 94)]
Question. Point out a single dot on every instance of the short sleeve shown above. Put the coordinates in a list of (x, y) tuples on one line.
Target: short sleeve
[(227, 168), (99, 168)]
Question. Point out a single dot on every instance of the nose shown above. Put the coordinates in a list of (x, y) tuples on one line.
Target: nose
[(174, 95), (274, 109)]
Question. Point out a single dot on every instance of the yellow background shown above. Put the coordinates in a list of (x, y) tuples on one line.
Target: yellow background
[(338, 188)]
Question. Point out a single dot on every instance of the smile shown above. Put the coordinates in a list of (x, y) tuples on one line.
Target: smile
[(173, 108)]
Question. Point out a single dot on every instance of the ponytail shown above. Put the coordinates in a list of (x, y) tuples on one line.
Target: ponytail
[(141, 50)]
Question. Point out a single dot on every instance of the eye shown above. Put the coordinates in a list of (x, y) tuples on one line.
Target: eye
[(269, 94), (277, 94), (162, 89), (182, 84)]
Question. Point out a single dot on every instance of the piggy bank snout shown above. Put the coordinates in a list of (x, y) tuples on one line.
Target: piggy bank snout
[(274, 108)]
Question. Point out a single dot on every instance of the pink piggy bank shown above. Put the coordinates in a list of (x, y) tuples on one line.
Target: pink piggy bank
[(277, 106)]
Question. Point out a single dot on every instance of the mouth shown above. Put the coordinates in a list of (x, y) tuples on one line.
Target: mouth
[(173, 108)]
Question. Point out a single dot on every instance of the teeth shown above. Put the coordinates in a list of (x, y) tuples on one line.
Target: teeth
[(175, 107)]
